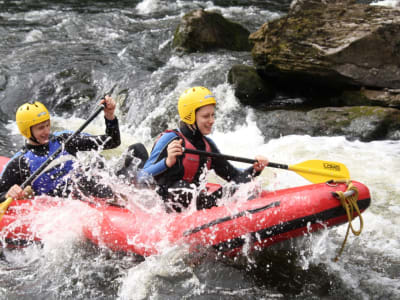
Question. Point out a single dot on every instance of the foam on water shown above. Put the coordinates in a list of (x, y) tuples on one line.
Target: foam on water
[(392, 3), (244, 139), (146, 280), (150, 6), (66, 266)]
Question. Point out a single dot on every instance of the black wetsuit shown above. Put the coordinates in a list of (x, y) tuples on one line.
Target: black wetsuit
[(17, 170)]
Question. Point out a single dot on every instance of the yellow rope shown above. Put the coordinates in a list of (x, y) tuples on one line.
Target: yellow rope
[(350, 205)]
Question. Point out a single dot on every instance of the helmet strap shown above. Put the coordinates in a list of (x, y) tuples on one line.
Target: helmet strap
[(32, 138), (193, 127)]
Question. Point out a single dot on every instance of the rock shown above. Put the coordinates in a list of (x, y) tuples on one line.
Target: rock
[(384, 98), (250, 88), (277, 123), (365, 123), (3, 81), (202, 30), (329, 44), (158, 125), (70, 89), (298, 5)]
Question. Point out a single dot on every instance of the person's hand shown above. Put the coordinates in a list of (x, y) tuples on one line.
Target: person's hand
[(174, 149), (109, 107), (17, 193), (260, 164)]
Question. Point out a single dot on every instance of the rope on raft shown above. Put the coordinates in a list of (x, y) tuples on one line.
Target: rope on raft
[(348, 200)]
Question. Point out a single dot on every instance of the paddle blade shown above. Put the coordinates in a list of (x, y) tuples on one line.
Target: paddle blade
[(4, 206), (318, 171)]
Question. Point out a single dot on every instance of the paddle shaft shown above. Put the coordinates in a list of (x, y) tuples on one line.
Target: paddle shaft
[(234, 158), (316, 171)]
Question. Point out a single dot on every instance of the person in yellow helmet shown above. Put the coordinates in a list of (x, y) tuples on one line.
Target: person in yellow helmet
[(175, 171), (33, 121)]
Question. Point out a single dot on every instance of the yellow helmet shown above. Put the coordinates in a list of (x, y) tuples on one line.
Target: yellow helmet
[(192, 99), (30, 114)]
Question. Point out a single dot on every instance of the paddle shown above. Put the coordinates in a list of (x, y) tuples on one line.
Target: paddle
[(316, 171), (4, 205)]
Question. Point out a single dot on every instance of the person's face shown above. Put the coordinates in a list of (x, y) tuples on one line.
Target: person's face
[(41, 132), (205, 118)]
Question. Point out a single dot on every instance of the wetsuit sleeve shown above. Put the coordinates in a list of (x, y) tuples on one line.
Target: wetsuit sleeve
[(156, 165), (227, 171), (111, 139), (16, 171)]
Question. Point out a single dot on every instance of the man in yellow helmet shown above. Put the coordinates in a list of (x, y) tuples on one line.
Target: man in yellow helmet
[(175, 171), (33, 121)]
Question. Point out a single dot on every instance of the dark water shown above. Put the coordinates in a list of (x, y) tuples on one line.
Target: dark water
[(68, 54)]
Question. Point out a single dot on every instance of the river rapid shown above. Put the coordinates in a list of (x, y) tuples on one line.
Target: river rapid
[(67, 54)]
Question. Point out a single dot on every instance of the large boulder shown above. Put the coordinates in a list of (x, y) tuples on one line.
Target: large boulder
[(333, 44), (202, 30)]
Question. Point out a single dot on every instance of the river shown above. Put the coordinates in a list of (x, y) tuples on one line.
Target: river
[(67, 54)]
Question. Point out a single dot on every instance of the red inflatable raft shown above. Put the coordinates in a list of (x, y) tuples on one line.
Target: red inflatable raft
[(269, 218)]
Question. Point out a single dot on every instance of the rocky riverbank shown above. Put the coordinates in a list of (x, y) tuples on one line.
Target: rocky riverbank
[(326, 68)]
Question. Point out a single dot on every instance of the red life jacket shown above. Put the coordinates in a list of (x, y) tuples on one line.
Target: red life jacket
[(191, 162)]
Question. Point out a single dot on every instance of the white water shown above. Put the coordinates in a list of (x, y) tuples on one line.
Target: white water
[(375, 164), (391, 3), (369, 265)]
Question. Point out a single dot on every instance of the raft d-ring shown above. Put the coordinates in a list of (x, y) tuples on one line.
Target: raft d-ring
[(332, 183)]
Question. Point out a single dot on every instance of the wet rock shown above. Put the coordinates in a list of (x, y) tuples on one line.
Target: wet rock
[(250, 88), (158, 125), (202, 30), (3, 81), (341, 54), (385, 98), (365, 123), (330, 44), (67, 90)]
